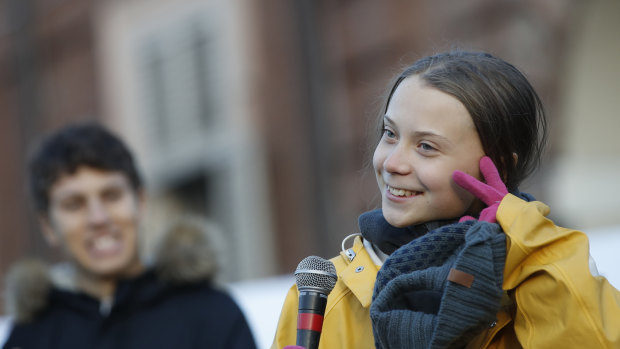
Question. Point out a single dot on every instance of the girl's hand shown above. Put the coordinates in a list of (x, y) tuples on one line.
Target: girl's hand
[(491, 192)]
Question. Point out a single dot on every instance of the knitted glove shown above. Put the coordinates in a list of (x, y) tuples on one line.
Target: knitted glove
[(491, 193)]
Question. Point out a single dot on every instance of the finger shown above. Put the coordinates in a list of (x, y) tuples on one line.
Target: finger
[(481, 190), (491, 174), (466, 218), (489, 171)]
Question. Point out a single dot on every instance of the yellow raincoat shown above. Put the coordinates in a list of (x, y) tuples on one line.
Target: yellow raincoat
[(552, 300)]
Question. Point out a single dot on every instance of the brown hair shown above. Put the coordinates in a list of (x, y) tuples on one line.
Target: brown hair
[(504, 107)]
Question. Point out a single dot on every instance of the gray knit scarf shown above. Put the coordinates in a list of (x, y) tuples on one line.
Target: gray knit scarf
[(388, 238), (460, 268)]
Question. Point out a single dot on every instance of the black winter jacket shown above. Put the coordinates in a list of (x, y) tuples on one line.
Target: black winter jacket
[(149, 312)]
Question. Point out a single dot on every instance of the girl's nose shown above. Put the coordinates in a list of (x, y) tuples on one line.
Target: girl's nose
[(398, 161)]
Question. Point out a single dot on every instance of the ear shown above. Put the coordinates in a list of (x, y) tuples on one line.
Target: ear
[(515, 158), (49, 233)]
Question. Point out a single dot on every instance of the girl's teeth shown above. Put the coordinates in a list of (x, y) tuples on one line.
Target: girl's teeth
[(400, 192)]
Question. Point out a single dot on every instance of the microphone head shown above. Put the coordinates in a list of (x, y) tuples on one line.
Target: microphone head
[(316, 273)]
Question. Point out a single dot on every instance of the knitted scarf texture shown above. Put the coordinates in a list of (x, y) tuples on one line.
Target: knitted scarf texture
[(388, 238), (416, 304)]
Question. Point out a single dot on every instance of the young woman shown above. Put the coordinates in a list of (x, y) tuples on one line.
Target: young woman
[(460, 131)]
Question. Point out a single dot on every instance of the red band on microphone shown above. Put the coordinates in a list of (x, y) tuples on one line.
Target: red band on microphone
[(309, 321)]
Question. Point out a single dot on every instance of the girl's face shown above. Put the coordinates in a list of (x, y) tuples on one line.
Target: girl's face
[(428, 134)]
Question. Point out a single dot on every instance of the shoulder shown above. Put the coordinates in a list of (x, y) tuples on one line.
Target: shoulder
[(347, 318), (204, 298), (185, 253), (27, 289), (355, 270), (55, 322), (206, 292), (513, 207), (210, 314)]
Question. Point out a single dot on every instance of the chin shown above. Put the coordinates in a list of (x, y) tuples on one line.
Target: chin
[(113, 268), (107, 271), (400, 220)]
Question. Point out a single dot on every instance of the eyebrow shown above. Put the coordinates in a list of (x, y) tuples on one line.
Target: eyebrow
[(421, 133)]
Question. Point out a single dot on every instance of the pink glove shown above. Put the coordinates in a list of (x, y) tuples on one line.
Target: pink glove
[(491, 192)]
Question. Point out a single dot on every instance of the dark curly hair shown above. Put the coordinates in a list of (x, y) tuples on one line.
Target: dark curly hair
[(63, 152)]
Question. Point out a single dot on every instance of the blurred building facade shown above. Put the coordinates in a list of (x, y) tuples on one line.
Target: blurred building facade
[(259, 115)]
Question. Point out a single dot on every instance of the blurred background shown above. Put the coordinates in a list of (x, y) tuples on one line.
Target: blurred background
[(259, 115)]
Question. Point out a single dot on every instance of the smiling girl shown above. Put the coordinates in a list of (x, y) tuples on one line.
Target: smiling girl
[(460, 131)]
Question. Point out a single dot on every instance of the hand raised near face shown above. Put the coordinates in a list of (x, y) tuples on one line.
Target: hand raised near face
[(491, 193)]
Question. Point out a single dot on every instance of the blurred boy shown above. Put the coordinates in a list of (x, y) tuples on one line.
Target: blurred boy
[(90, 198)]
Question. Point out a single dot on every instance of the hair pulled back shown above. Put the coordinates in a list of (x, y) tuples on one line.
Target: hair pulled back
[(505, 109)]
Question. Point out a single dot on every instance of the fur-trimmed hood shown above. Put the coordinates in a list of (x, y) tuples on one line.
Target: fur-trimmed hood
[(184, 255)]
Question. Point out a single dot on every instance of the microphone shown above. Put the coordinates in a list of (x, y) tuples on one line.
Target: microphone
[(315, 278)]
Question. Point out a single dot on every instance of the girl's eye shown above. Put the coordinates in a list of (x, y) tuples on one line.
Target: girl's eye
[(426, 147), (388, 133)]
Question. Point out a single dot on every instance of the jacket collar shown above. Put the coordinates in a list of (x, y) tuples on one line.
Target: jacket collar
[(360, 272), (184, 257)]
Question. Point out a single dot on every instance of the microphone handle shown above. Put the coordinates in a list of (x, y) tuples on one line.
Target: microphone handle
[(310, 318), (308, 339)]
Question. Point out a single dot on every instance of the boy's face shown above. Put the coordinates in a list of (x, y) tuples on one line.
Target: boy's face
[(93, 215), (428, 135)]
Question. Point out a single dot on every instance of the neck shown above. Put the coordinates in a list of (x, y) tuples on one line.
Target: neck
[(102, 287), (98, 287), (388, 238)]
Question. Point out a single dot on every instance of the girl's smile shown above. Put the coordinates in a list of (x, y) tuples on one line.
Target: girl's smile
[(401, 192)]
